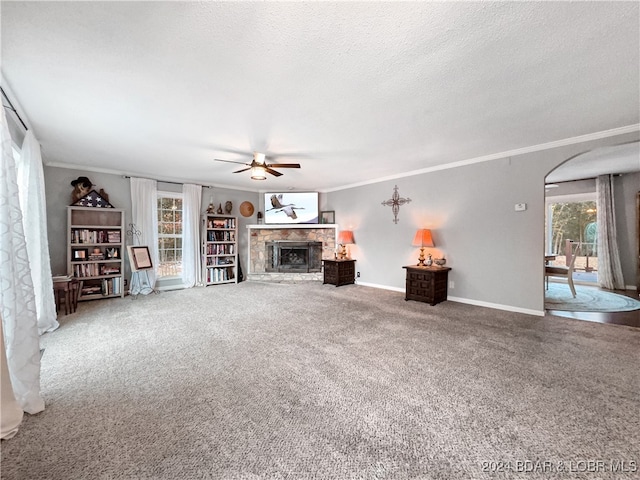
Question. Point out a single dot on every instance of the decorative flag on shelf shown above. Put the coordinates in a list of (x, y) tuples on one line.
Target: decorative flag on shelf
[(92, 199)]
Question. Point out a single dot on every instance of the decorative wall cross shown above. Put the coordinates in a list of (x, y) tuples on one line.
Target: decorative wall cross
[(394, 202)]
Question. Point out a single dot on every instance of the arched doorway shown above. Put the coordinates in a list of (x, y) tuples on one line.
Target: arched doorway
[(571, 214)]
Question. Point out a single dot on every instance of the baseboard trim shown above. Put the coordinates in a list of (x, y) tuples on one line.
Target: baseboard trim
[(498, 306), (477, 303), (382, 287), (168, 288)]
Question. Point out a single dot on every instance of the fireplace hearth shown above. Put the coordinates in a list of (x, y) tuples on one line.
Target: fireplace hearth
[(293, 257)]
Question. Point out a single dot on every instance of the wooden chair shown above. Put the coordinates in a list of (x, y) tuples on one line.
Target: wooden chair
[(560, 271)]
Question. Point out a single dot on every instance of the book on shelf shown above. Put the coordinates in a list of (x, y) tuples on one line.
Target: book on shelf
[(221, 223), (220, 249), (216, 275), (84, 235), (91, 289), (109, 270), (225, 236), (86, 270), (111, 286), (104, 287)]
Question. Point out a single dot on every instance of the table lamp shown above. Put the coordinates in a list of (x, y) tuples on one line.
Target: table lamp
[(423, 239), (345, 237)]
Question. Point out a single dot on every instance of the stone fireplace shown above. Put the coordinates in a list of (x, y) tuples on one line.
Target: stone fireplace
[(282, 253)]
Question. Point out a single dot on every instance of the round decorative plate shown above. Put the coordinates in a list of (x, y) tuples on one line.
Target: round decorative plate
[(246, 209)]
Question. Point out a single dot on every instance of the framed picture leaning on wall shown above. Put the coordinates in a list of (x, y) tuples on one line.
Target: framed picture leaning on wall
[(328, 217), (139, 258)]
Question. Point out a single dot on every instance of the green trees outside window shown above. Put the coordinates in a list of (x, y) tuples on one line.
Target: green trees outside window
[(170, 235)]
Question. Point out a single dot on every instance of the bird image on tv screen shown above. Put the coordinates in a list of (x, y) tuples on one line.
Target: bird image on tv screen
[(297, 207)]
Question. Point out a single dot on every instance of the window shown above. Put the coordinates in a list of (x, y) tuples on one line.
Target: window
[(169, 234), (574, 217)]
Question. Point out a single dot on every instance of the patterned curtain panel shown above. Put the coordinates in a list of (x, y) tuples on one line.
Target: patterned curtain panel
[(144, 214), (17, 298), (191, 266), (10, 412), (609, 268), (34, 211)]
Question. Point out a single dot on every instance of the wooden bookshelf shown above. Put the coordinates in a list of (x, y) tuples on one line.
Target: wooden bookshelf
[(95, 248), (219, 249)]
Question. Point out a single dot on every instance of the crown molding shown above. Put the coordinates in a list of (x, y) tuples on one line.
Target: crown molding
[(131, 174), (485, 158), (495, 156)]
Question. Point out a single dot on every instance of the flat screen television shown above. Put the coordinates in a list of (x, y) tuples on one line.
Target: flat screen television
[(291, 207)]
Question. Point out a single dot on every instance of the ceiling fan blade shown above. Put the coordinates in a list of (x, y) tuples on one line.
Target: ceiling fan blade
[(231, 161), (283, 165), (242, 170), (272, 172)]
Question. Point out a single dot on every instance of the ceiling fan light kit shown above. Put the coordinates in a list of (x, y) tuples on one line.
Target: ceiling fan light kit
[(259, 168), (258, 173)]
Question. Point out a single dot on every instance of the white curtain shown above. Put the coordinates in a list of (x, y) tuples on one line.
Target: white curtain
[(144, 215), (10, 412), (17, 298), (609, 267), (191, 265), (34, 221)]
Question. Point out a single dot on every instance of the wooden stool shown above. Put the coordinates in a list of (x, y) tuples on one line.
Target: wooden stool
[(66, 292)]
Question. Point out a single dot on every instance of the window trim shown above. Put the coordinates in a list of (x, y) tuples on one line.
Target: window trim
[(165, 194)]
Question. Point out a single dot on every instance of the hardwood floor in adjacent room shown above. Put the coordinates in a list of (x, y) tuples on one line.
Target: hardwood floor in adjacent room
[(631, 319)]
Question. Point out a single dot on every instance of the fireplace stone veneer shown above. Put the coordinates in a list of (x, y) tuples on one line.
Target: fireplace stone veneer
[(262, 235)]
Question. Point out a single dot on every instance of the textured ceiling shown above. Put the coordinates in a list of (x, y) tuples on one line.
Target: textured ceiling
[(352, 91)]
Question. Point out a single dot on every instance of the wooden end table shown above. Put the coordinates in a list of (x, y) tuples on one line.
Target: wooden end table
[(339, 271), (426, 284)]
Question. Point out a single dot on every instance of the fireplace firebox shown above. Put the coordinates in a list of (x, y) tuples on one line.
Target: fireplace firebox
[(294, 257)]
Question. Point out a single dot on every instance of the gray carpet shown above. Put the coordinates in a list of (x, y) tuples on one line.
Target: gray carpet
[(310, 381), (588, 299)]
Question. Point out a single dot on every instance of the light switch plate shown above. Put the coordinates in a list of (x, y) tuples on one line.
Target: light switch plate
[(521, 207)]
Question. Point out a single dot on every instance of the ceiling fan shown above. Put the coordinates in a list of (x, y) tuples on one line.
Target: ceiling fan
[(259, 167)]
